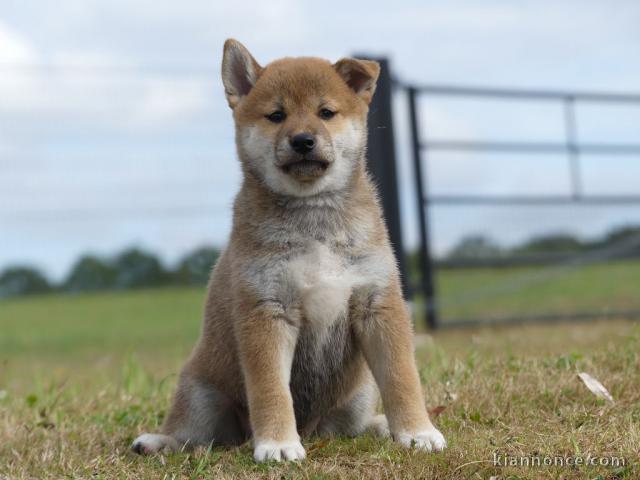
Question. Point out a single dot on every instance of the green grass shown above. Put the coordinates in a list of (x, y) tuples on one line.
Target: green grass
[(81, 376), (69, 329), (499, 292)]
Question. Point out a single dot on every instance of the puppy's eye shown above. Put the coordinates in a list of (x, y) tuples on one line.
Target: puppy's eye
[(276, 117), (326, 114)]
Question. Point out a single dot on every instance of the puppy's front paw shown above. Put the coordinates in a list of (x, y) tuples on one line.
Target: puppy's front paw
[(149, 443), (429, 440), (271, 450)]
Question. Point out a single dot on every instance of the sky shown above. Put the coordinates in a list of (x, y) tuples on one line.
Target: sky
[(114, 130)]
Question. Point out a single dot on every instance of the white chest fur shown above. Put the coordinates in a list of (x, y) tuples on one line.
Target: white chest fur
[(317, 280), (323, 282)]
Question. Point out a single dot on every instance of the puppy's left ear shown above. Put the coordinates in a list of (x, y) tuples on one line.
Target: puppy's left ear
[(360, 75)]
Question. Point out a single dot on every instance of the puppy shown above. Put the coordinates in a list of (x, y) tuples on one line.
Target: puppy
[(304, 321)]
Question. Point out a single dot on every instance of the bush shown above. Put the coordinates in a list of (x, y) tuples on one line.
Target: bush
[(22, 281), (559, 243), (195, 268), (90, 274), (475, 247), (136, 268)]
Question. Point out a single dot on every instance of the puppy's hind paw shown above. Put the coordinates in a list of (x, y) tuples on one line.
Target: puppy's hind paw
[(150, 443), (278, 451), (430, 440), (379, 426)]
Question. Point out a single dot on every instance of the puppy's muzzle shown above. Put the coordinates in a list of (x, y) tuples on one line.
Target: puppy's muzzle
[(305, 167), (304, 159)]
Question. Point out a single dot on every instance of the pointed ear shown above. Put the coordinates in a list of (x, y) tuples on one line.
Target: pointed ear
[(360, 75), (240, 71)]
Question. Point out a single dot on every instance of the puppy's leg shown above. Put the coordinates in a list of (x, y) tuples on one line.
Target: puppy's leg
[(355, 416), (267, 343), (385, 334), (200, 415)]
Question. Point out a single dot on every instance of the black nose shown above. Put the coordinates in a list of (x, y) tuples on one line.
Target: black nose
[(303, 142)]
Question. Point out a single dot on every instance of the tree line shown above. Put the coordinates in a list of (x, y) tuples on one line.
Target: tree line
[(478, 251), (130, 269), (136, 268), (552, 246)]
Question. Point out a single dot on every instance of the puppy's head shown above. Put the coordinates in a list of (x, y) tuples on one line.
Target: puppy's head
[(300, 122)]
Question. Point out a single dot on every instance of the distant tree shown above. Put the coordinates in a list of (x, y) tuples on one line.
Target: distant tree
[(195, 267), (627, 238), (90, 274), (22, 281), (475, 247), (136, 268), (622, 234), (557, 243)]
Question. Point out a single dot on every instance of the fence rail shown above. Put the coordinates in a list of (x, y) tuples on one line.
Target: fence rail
[(506, 93)]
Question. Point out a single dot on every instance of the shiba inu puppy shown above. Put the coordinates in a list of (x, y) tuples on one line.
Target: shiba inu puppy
[(304, 324)]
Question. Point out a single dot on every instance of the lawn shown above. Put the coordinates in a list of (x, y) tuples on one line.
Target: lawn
[(81, 376), (502, 292)]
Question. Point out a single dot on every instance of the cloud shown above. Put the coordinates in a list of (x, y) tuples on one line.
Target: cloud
[(13, 47), (165, 102)]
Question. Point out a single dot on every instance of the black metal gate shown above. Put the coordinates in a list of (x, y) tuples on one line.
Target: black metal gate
[(571, 147)]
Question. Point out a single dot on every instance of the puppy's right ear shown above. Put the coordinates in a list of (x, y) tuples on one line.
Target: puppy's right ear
[(240, 71)]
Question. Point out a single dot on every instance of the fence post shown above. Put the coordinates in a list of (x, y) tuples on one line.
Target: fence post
[(426, 264), (381, 157)]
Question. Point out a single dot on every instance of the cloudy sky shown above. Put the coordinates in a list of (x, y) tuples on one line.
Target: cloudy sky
[(114, 130)]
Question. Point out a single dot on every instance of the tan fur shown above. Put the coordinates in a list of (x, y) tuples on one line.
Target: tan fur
[(304, 308)]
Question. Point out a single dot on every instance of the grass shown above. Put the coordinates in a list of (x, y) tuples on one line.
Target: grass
[(81, 376), (501, 292)]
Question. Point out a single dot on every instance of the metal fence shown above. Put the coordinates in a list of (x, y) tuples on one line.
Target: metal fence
[(572, 148)]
